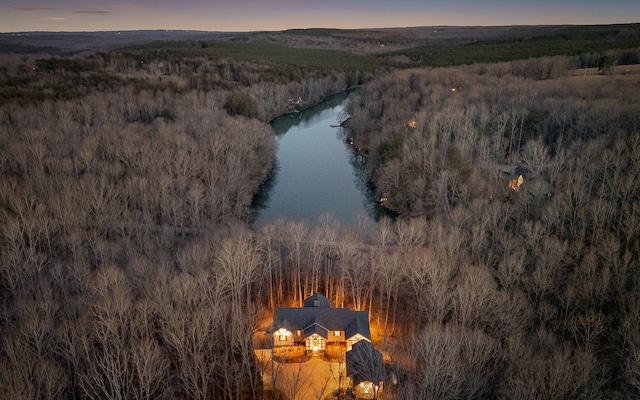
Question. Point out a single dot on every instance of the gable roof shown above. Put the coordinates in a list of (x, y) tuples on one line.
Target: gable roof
[(317, 300), (358, 325), (322, 319), (365, 363), (315, 328)]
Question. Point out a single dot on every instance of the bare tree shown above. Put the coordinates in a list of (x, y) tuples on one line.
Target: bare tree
[(432, 285), (105, 342), (437, 372), (238, 261), (475, 297), (295, 234)]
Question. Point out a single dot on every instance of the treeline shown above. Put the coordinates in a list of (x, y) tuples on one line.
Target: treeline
[(470, 123), (275, 76), (538, 285), (100, 200), (622, 40), (29, 80)]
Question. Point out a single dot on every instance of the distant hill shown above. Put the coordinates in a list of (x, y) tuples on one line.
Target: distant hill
[(73, 42), (427, 45), (358, 40)]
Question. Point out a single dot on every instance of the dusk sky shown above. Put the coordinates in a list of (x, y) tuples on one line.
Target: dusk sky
[(250, 15)]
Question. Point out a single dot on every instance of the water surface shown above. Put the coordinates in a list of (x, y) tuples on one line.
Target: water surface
[(316, 170)]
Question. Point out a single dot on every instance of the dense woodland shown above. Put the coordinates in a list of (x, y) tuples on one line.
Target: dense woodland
[(543, 281), (129, 269)]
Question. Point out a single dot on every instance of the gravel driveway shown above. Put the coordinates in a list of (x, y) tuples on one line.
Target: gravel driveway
[(311, 380)]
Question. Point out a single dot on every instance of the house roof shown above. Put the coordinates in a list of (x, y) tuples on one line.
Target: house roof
[(358, 325), (317, 300), (321, 319), (315, 328), (365, 363)]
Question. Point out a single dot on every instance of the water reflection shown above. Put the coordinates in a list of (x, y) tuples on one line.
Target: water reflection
[(316, 172), (358, 162), (309, 116)]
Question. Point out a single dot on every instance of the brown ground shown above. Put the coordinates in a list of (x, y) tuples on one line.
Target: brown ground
[(310, 380)]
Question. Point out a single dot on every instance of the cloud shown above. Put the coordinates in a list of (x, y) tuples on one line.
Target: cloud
[(34, 8), (53, 19), (129, 7), (93, 12)]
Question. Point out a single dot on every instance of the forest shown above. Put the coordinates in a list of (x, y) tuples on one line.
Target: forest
[(129, 268)]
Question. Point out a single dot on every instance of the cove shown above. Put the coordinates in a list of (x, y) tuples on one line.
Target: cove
[(316, 171)]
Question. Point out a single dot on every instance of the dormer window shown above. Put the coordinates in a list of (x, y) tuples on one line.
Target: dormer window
[(316, 302), (336, 333)]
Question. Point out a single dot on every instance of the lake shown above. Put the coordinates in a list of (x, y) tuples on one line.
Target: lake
[(316, 171)]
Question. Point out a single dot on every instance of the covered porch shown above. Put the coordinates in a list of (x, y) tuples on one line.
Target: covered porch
[(315, 344)]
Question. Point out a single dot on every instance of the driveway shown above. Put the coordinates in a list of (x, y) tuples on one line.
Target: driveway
[(311, 380)]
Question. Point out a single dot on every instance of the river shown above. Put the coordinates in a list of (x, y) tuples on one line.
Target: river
[(316, 171)]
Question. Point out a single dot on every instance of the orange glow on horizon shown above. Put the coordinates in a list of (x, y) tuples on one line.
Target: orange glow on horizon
[(282, 15)]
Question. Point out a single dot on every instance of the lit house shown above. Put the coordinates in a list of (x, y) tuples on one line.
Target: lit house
[(317, 325)]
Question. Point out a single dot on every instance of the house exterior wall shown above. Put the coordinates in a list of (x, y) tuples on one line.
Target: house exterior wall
[(282, 337), (332, 337), (298, 337)]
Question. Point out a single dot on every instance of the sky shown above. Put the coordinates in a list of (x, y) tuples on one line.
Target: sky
[(274, 15)]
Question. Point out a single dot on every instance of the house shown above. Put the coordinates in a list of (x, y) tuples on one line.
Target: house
[(365, 367), (317, 325)]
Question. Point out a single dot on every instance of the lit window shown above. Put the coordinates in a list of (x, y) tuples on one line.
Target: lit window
[(299, 333), (336, 333), (282, 333)]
